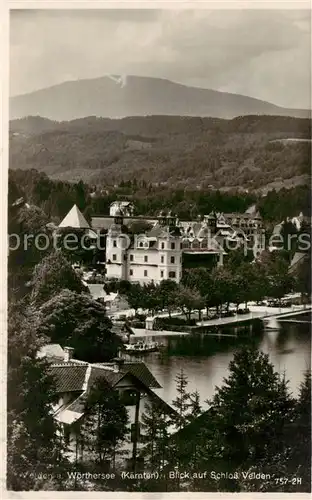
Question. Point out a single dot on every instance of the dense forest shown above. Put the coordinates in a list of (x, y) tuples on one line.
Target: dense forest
[(250, 153), (56, 198)]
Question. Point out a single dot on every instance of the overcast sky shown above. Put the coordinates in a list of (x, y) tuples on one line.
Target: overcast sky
[(259, 53)]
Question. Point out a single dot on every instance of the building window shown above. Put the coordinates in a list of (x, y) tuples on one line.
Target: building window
[(145, 258), (115, 243), (162, 259), (172, 274), (172, 246), (141, 244), (131, 258), (162, 246), (145, 273), (172, 259), (131, 272), (114, 256), (161, 274)]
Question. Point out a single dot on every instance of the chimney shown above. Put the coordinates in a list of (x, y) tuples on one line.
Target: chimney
[(68, 353), (118, 362)]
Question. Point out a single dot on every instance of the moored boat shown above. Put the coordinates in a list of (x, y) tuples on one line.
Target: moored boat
[(142, 347)]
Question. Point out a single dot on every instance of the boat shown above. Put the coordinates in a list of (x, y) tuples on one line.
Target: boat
[(142, 347)]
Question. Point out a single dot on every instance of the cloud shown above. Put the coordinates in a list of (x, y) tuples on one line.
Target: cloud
[(261, 53)]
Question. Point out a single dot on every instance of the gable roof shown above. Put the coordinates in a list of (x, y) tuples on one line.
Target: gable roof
[(71, 376), (75, 219)]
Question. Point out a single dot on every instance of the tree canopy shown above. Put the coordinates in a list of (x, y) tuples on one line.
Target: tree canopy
[(76, 320)]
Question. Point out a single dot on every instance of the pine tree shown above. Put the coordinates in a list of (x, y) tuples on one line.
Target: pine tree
[(182, 403), (251, 408), (105, 424), (301, 444), (155, 424), (34, 445), (195, 406)]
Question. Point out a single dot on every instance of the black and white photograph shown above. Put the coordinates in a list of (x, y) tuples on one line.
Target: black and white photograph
[(159, 249)]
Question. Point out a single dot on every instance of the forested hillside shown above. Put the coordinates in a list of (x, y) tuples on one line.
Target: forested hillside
[(198, 153), (56, 198)]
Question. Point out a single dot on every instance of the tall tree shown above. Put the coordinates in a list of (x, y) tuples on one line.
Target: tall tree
[(51, 275), (182, 403), (155, 425), (78, 321), (34, 449), (251, 409), (105, 423), (189, 299)]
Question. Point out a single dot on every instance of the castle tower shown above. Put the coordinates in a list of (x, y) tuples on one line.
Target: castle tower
[(116, 249), (211, 222), (170, 251)]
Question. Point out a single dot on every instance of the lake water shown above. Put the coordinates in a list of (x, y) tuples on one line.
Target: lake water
[(205, 359)]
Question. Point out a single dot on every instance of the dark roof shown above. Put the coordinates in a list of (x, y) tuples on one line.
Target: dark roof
[(141, 371), (202, 423), (157, 232), (78, 405), (160, 403), (111, 377), (68, 377)]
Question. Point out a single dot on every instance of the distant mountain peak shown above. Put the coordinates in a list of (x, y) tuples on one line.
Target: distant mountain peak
[(119, 79), (140, 96)]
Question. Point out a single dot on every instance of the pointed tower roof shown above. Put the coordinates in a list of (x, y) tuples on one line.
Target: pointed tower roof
[(251, 210), (75, 219)]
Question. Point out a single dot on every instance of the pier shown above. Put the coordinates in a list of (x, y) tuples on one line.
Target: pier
[(263, 313)]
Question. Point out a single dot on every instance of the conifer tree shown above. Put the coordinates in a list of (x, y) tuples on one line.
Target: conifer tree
[(155, 425), (34, 446), (251, 408), (195, 406), (105, 424), (182, 403)]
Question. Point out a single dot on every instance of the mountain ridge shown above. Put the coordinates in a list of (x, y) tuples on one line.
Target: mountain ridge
[(116, 96), (247, 152)]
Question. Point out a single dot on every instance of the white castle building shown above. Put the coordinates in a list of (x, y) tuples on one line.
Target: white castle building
[(153, 256)]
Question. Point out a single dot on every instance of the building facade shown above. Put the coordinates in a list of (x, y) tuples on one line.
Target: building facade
[(150, 257)]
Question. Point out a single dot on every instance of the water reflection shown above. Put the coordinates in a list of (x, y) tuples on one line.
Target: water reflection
[(205, 358)]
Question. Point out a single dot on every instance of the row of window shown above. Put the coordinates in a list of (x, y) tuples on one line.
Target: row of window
[(171, 274), (141, 245), (162, 259), (162, 246)]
